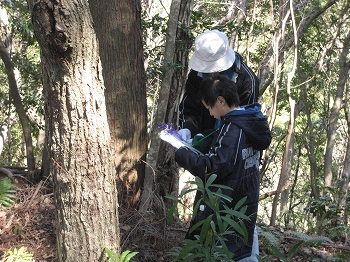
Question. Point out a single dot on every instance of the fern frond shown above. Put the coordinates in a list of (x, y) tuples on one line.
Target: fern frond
[(18, 255), (309, 240), (7, 193), (269, 239)]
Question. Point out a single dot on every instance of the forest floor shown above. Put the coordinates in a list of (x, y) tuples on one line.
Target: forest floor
[(31, 223)]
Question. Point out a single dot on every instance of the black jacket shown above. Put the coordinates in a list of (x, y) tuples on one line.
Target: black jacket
[(194, 116), (234, 158)]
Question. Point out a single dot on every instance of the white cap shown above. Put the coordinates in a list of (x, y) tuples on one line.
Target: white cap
[(212, 53)]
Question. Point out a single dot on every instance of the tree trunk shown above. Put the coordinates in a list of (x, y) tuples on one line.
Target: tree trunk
[(5, 128), (287, 161), (77, 131), (310, 146), (160, 158), (15, 96), (267, 63), (344, 182), (345, 176), (334, 114), (118, 28)]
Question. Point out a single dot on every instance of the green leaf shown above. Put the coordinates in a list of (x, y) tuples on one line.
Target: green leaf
[(221, 225), (235, 225), (191, 257), (187, 249), (112, 255), (127, 255), (205, 228), (210, 180), (221, 186), (171, 197), (196, 208), (171, 212), (240, 203), (236, 214), (278, 254), (222, 196), (212, 201), (7, 194), (294, 249), (195, 226), (225, 249)]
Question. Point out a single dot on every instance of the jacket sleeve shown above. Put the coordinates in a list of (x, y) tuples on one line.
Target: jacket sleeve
[(190, 107), (248, 84), (220, 160)]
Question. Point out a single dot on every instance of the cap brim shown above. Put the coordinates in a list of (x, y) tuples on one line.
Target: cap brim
[(219, 65)]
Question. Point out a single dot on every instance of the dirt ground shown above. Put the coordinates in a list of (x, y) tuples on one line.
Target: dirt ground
[(31, 223)]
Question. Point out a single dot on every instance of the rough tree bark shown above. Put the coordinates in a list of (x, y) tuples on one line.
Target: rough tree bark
[(118, 28), (77, 131)]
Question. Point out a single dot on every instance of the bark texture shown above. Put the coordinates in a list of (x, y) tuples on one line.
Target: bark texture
[(77, 132), (118, 28)]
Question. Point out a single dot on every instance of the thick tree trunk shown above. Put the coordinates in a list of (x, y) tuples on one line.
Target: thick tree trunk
[(118, 28), (77, 131)]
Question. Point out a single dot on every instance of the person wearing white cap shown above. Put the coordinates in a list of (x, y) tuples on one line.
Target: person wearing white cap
[(213, 54)]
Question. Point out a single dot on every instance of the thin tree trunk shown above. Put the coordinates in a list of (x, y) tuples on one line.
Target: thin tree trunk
[(267, 63), (334, 114), (345, 176), (310, 145), (78, 138), (344, 182), (288, 152), (160, 158), (14, 94), (4, 130)]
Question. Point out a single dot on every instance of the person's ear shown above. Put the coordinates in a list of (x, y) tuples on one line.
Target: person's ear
[(221, 100)]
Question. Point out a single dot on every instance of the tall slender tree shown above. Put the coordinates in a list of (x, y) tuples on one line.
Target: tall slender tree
[(160, 159)]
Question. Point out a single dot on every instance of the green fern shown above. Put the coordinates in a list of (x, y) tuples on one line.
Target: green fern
[(18, 255), (123, 257), (309, 240), (273, 239), (268, 238), (7, 193)]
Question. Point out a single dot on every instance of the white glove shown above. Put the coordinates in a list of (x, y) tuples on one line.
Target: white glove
[(172, 140), (185, 134)]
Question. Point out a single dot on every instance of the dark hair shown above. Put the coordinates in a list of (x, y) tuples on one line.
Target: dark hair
[(218, 85)]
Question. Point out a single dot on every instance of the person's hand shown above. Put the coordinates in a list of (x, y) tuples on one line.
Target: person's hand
[(185, 134), (197, 138), (172, 140), (202, 143)]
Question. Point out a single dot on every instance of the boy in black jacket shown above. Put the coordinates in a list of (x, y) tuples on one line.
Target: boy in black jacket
[(234, 153)]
